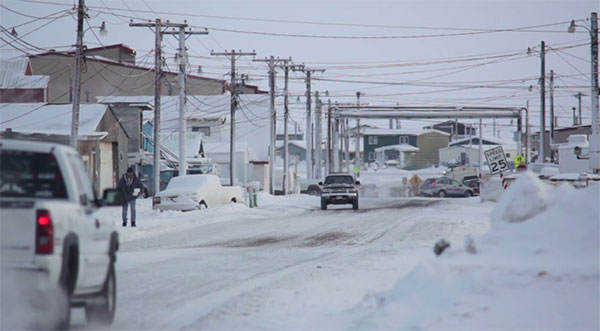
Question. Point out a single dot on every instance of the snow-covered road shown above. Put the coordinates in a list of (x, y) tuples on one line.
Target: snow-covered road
[(284, 265)]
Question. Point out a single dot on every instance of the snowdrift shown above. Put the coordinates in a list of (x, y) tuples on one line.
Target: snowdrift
[(537, 268)]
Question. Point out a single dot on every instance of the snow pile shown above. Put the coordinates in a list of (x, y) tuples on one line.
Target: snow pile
[(526, 198), (538, 268)]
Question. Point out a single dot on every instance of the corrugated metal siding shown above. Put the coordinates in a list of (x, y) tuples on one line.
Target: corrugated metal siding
[(429, 145)]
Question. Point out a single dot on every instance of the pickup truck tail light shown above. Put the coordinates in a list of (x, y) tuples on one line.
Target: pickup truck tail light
[(44, 233)]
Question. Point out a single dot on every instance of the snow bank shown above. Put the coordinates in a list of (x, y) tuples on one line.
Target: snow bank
[(538, 268), (527, 197)]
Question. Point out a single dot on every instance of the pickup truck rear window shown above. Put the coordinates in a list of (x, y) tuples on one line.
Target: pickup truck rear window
[(339, 180), (30, 175)]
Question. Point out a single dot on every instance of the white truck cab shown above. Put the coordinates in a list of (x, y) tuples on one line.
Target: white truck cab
[(53, 238)]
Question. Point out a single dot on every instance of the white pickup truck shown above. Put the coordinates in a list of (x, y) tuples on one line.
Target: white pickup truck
[(57, 249)]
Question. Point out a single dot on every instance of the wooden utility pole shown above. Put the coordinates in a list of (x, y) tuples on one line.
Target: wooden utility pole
[(541, 152), (318, 137), (233, 56), (81, 12), (308, 136), (181, 36), (273, 62)]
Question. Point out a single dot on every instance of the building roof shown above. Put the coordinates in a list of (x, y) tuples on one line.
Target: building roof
[(50, 118), (193, 141), (399, 148), (400, 132), (297, 143), (16, 74)]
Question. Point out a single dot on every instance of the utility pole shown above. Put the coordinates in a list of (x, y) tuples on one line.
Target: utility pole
[(318, 136), (81, 12), (273, 122), (541, 156), (308, 136), (595, 136), (233, 56), (157, 25), (329, 158), (286, 117), (357, 145), (527, 138), (181, 36), (578, 96), (552, 119)]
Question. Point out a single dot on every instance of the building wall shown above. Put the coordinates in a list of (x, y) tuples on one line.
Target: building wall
[(131, 120), (115, 53), (429, 145), (116, 135), (110, 79), (293, 150), (21, 95), (369, 149)]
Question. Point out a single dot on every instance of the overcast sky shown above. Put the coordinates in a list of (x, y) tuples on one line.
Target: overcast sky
[(430, 52)]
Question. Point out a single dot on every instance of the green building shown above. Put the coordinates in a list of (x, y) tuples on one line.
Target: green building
[(427, 141)]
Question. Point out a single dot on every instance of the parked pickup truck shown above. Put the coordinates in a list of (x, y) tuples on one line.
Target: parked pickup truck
[(196, 192), (57, 249), (339, 189)]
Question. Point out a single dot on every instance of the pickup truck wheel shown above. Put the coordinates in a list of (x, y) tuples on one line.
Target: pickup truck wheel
[(104, 312), (202, 205), (355, 204), (468, 194), (233, 200), (68, 278), (313, 190), (323, 204), (442, 194)]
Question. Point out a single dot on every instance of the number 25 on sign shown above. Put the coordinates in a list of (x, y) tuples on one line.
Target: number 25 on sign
[(496, 160)]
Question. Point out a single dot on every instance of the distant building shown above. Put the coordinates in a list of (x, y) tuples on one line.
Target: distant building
[(455, 129), (428, 143), (19, 85), (102, 140), (561, 136), (112, 71)]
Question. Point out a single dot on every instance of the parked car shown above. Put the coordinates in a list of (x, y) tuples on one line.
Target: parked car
[(196, 192), (443, 187), (57, 248), (339, 189), (473, 184)]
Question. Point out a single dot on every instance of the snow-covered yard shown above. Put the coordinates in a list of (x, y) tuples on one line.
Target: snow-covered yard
[(288, 265)]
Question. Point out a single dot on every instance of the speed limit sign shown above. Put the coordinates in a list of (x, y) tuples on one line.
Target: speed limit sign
[(496, 160)]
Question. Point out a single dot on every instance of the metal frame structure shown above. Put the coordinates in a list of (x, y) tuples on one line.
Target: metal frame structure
[(337, 113)]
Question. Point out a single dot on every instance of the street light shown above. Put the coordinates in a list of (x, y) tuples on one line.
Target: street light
[(595, 136)]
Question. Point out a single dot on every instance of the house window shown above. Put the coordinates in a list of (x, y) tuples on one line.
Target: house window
[(403, 139), (371, 158), (372, 140), (534, 138), (205, 130)]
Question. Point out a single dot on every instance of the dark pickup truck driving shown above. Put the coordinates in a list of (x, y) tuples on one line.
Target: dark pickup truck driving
[(339, 189)]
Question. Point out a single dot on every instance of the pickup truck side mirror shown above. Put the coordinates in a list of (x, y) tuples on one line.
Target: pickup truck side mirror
[(320, 183), (113, 197), (357, 182)]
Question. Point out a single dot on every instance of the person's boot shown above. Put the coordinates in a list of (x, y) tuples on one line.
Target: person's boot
[(124, 223), (133, 225)]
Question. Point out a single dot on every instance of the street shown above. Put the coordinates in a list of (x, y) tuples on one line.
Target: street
[(285, 265)]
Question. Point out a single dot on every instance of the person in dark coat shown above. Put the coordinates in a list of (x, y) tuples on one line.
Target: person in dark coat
[(128, 184)]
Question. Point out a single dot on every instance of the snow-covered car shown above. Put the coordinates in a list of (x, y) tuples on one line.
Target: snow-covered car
[(58, 249), (196, 192)]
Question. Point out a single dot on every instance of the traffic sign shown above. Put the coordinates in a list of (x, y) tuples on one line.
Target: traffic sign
[(496, 160), (415, 180)]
